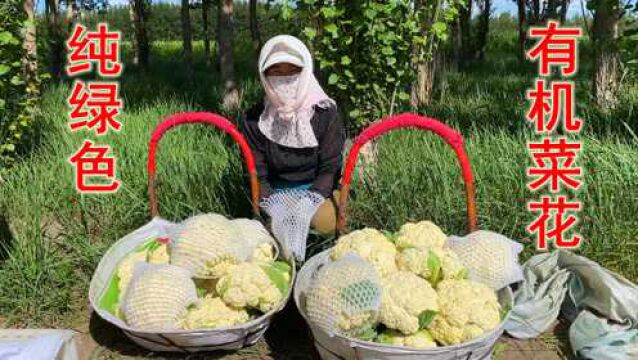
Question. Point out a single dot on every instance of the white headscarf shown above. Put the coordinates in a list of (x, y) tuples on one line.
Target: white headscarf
[(290, 100)]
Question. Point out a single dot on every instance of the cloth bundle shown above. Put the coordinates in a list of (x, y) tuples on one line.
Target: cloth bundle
[(601, 305)]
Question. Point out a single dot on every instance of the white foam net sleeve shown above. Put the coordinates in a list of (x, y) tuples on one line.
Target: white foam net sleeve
[(291, 212), (254, 234), (345, 297), (491, 258), (158, 295), (205, 244)]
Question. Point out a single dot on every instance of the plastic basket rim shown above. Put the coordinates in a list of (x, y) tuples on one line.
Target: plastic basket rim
[(353, 342), (257, 321)]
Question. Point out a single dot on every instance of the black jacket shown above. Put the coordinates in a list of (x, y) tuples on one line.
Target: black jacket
[(319, 165)]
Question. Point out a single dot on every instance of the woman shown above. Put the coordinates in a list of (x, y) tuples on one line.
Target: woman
[(296, 134)]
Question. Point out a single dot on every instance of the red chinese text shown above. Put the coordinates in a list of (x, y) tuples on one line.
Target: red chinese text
[(553, 221), (556, 48), (95, 172), (95, 106), (89, 48)]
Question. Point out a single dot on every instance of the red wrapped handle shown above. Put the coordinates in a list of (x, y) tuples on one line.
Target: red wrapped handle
[(408, 120), (205, 118)]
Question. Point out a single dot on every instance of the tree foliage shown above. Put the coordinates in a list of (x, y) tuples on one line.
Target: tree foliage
[(16, 106), (367, 51)]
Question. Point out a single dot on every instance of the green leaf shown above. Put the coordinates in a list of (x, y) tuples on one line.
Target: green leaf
[(345, 60), (310, 33), (331, 28), (367, 334), (15, 80), (425, 318), (387, 51), (282, 266), (4, 69), (2, 103), (333, 79), (110, 298), (384, 338), (391, 60), (434, 266), (504, 310), (354, 113), (402, 95), (278, 277)]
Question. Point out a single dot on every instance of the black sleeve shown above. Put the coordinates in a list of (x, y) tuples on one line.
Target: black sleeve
[(257, 143), (330, 149)]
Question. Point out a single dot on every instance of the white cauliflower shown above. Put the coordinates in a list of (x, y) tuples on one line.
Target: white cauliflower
[(421, 339), (212, 312), (345, 297), (248, 285), (371, 245), (207, 245), (422, 235), (125, 269), (467, 310), (264, 253), (405, 300), (158, 297), (158, 255), (433, 264)]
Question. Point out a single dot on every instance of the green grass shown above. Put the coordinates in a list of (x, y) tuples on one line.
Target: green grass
[(59, 236)]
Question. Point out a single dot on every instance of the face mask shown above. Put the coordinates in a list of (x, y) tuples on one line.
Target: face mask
[(285, 87)]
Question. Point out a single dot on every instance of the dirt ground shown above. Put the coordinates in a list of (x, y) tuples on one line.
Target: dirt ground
[(288, 339)]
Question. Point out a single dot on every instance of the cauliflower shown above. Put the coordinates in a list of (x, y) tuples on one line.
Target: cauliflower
[(212, 312), (248, 285), (405, 299), (433, 265), (422, 235), (264, 253), (158, 254), (467, 310), (372, 246), (421, 339), (125, 269), (207, 245), (345, 297), (158, 297), (206, 287)]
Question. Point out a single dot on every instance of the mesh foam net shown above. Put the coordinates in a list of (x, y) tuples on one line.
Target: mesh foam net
[(345, 297), (291, 212), (205, 242), (158, 295), (491, 258)]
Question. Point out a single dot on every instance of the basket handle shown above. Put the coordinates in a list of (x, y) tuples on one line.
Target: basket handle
[(205, 118), (408, 120)]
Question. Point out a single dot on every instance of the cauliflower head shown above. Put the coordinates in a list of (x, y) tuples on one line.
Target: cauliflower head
[(371, 245), (433, 264), (207, 245), (158, 254), (263, 253), (212, 312), (345, 297), (405, 297), (158, 297), (467, 310), (248, 285), (421, 235), (125, 269), (421, 339)]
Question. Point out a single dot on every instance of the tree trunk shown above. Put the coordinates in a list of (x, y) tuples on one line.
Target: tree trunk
[(536, 12), (138, 13), (564, 5), (522, 29), (187, 37), (226, 59), (56, 35), (70, 16), (421, 94), (30, 57), (465, 17), (254, 27), (606, 58), (205, 7), (483, 30)]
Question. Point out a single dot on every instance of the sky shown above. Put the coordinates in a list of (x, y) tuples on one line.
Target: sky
[(500, 6)]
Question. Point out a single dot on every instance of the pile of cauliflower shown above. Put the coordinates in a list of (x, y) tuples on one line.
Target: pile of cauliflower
[(211, 272), (426, 298)]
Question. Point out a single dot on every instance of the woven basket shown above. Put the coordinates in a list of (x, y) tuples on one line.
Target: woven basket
[(227, 338)]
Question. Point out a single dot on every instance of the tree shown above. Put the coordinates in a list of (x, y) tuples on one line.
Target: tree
[(205, 8), (522, 28), (463, 30), (138, 10), (30, 56), (56, 38), (483, 29), (254, 27), (187, 37), (607, 15), (226, 59)]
